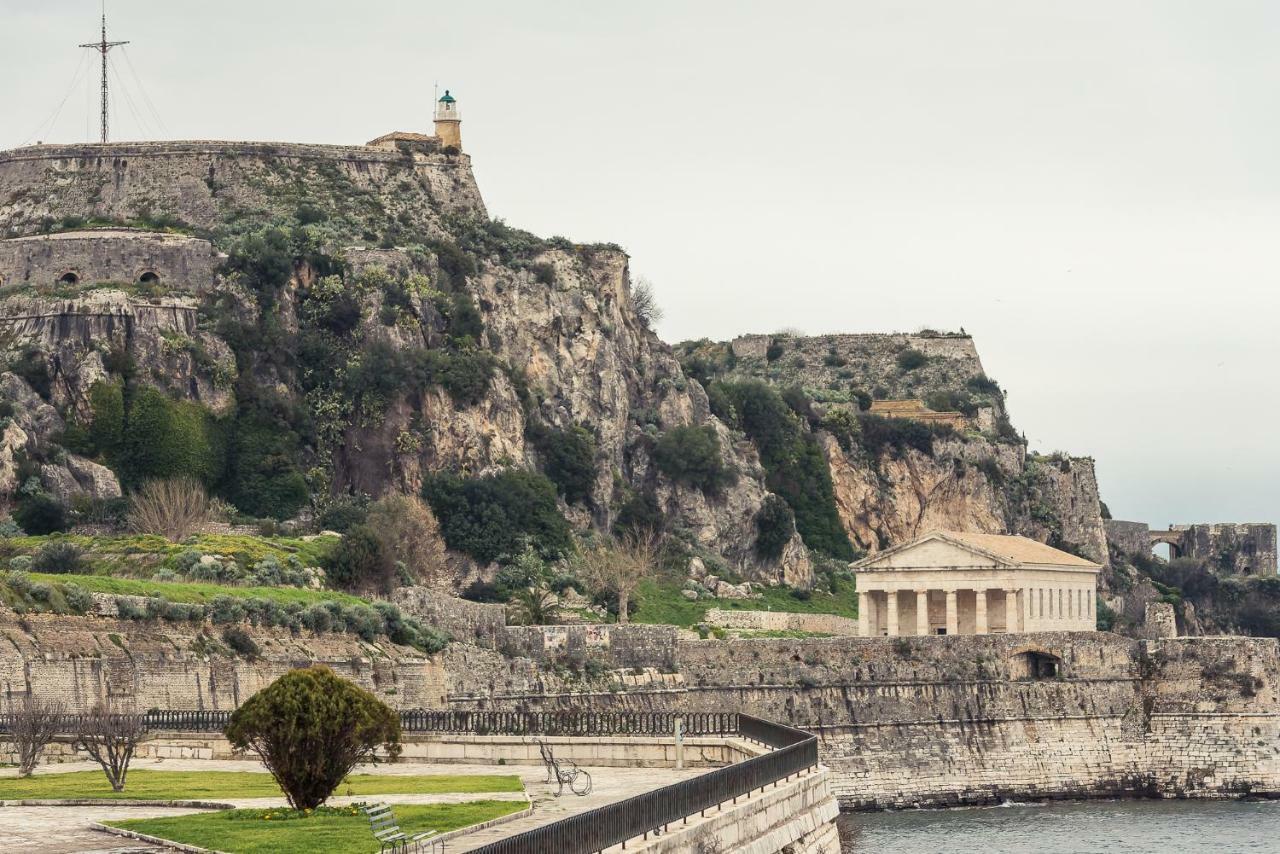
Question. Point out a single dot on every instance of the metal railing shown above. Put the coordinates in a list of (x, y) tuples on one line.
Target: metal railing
[(794, 752)]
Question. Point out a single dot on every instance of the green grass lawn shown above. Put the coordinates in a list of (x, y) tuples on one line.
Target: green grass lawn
[(145, 784), (334, 831), (249, 549), (661, 603), (194, 591)]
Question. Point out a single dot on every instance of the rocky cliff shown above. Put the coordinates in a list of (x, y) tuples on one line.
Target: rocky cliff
[(364, 326)]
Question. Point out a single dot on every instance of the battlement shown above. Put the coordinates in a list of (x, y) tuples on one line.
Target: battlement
[(375, 151), (1244, 548)]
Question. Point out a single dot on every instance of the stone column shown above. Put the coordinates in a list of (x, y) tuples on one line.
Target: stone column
[(892, 614), (953, 614), (864, 614), (1028, 602), (979, 612), (922, 612), (1012, 611)]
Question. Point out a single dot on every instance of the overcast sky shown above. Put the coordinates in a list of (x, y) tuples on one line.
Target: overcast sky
[(1089, 188)]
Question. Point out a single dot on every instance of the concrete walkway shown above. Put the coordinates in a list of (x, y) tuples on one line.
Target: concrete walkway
[(609, 785), (62, 830)]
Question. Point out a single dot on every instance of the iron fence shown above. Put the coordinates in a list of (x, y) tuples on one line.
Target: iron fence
[(794, 752)]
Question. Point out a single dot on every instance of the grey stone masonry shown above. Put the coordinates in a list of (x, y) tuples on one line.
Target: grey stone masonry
[(123, 256)]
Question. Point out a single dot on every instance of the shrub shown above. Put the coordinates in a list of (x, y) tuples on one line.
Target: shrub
[(174, 509), (128, 609), (638, 513), (844, 426), (39, 515), (226, 609), (165, 438), (645, 303), (343, 515), (795, 464), (9, 528), (775, 524), (78, 599), (409, 541), (569, 458), (497, 515), (356, 560), (262, 477), (60, 558), (910, 359), (982, 384), (311, 728), (863, 398), (775, 350), (690, 455), (240, 642), (895, 435)]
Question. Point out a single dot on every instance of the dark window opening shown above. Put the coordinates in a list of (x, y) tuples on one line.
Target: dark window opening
[(148, 278), (1041, 665), (69, 279)]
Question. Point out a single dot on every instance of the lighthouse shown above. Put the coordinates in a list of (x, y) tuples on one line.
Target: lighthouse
[(449, 121)]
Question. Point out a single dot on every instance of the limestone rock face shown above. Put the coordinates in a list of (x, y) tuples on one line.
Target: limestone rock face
[(160, 335)]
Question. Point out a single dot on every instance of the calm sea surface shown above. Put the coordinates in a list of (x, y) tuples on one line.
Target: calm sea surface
[(1093, 827)]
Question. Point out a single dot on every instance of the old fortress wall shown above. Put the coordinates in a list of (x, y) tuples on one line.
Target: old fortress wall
[(207, 183)]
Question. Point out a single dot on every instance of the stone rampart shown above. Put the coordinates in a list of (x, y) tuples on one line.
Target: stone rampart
[(1244, 548), (468, 622), (612, 645), (1128, 538), (779, 621), (206, 183), (142, 665), (132, 258)]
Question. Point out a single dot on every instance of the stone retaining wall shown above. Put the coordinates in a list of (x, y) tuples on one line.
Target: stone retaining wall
[(779, 621)]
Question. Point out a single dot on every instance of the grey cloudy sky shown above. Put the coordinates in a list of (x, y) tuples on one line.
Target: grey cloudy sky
[(1090, 188)]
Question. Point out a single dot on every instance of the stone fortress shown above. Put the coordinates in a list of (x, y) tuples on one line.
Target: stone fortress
[(1232, 548), (1041, 710)]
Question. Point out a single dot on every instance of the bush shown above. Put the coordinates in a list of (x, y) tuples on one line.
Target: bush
[(410, 547), (895, 435), (240, 642), (637, 514), (690, 455), (311, 728), (78, 599), (795, 464), (165, 438), (910, 359), (343, 515), (569, 458), (863, 398), (174, 509), (356, 560), (775, 524), (982, 384), (845, 427), (60, 558), (497, 515), (39, 515)]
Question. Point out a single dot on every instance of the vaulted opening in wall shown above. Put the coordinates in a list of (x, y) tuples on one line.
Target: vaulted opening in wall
[(149, 278), (69, 278), (1041, 665), (1166, 551)]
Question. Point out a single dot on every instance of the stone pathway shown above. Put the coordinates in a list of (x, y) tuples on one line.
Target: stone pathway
[(609, 785), (62, 830)]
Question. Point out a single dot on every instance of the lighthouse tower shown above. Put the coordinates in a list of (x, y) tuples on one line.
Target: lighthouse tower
[(449, 121)]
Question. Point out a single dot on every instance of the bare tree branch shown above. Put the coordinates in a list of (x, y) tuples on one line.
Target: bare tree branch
[(110, 738), (620, 566), (33, 724)]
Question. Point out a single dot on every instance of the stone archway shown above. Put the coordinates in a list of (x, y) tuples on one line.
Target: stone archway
[(1172, 539)]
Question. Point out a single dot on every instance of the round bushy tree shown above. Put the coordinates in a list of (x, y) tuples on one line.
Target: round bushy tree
[(310, 728)]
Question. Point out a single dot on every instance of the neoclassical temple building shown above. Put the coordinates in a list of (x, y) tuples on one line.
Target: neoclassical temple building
[(948, 583)]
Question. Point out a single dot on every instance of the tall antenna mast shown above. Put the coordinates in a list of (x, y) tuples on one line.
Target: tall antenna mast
[(103, 47)]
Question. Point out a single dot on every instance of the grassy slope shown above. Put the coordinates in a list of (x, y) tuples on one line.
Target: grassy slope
[(250, 548), (285, 832), (203, 785), (194, 591), (661, 603)]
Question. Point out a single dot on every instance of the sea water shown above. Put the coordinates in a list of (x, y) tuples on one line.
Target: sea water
[(1085, 827)]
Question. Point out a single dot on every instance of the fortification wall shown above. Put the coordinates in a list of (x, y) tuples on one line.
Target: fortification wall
[(1245, 548), (85, 660), (129, 257), (207, 184), (778, 621), (1128, 538), (961, 720)]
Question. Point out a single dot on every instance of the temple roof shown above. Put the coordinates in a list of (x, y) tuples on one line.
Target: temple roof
[(1005, 549)]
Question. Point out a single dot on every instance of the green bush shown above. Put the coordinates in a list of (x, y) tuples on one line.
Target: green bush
[(910, 359), (844, 426), (344, 514), (262, 477), (795, 464), (775, 524), (356, 560), (311, 728), (863, 398), (39, 515), (59, 558), (639, 514), (495, 516), (895, 435), (982, 384), (690, 455), (166, 439), (240, 641), (569, 459)]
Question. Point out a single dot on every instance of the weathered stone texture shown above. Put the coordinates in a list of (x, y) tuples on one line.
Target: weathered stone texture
[(84, 660), (205, 183), (778, 621), (123, 256)]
